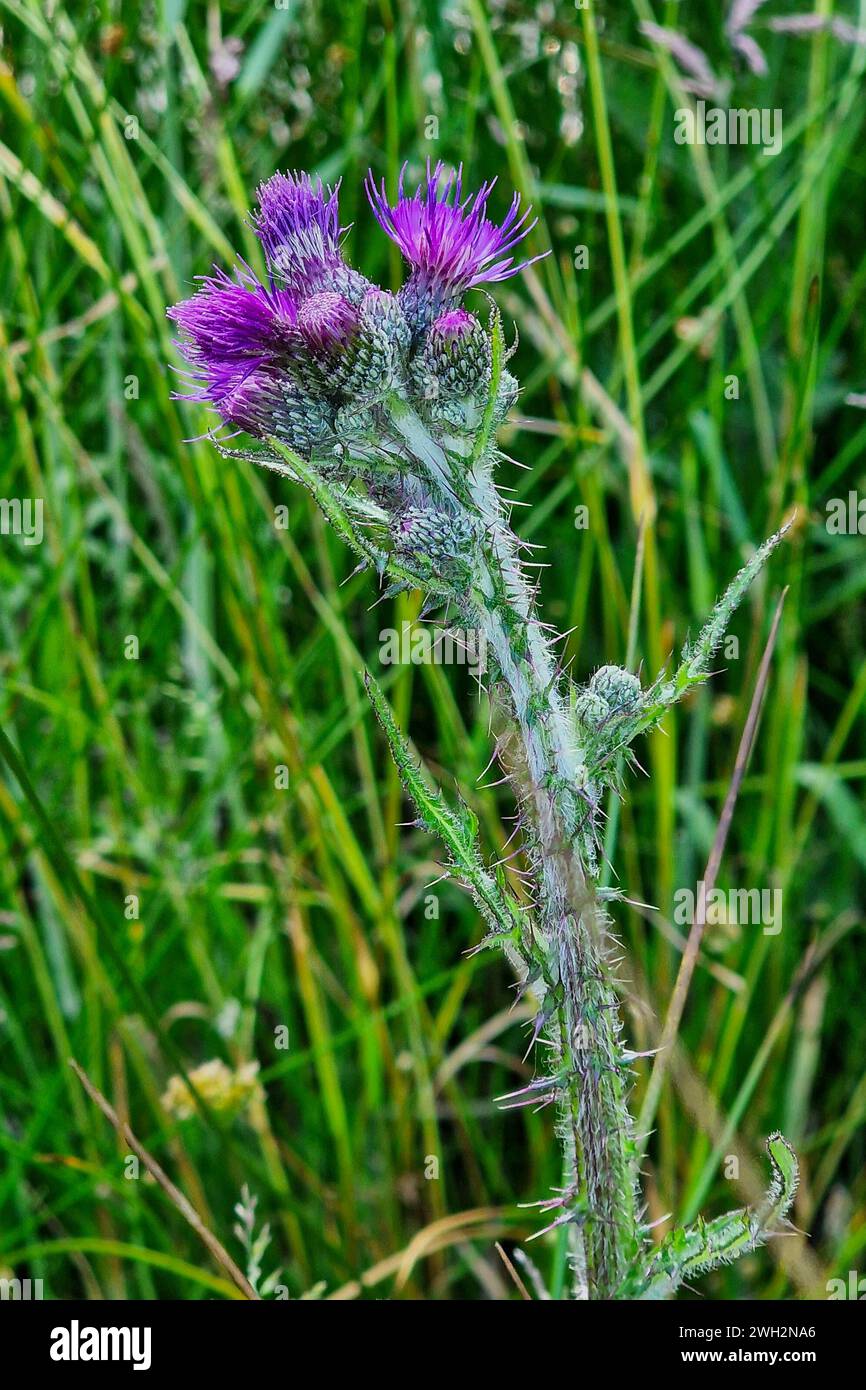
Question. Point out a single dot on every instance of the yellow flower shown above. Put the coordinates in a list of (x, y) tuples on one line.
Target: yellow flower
[(224, 1090)]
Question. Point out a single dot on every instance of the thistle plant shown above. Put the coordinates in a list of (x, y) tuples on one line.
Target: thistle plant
[(385, 407)]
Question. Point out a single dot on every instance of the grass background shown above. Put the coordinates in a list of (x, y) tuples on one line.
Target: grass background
[(133, 138)]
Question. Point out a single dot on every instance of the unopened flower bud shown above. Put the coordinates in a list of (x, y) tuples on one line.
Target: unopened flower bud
[(590, 710), (443, 541), (305, 422), (379, 348), (452, 369), (620, 690)]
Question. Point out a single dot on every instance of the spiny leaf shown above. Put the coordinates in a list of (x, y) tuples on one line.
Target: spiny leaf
[(497, 345), (455, 828), (696, 657), (706, 1245), (694, 667)]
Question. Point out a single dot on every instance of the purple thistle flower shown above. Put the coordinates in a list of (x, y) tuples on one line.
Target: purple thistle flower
[(252, 401), (298, 224), (231, 320), (451, 244), (327, 322), (263, 400), (237, 335), (243, 393)]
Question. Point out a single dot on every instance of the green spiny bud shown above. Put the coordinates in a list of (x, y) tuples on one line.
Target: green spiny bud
[(451, 372), (379, 348), (303, 421), (590, 709), (440, 541), (619, 689), (457, 350)]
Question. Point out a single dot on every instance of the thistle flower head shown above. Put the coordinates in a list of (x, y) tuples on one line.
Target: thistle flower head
[(620, 690), (373, 365), (230, 320), (449, 240), (262, 400), (309, 351), (236, 334), (250, 400), (298, 224), (327, 322), (452, 368), (382, 312), (438, 540)]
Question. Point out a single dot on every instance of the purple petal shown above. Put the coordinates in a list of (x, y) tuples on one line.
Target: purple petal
[(327, 322), (252, 401), (235, 333), (448, 239), (298, 224), (228, 319), (453, 325)]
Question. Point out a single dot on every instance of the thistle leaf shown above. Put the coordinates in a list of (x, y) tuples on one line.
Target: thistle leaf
[(456, 828), (696, 658), (706, 1245), (497, 344)]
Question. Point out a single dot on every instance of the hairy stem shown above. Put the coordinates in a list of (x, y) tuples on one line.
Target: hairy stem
[(567, 950), (570, 951)]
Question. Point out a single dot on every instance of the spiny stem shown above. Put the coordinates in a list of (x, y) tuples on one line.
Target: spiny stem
[(571, 955)]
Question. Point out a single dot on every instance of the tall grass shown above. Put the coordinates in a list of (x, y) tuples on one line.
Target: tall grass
[(170, 895)]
